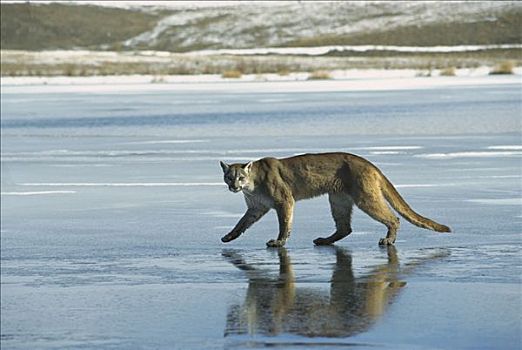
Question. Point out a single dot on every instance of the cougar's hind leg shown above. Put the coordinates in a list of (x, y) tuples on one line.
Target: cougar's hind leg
[(341, 206), (375, 206)]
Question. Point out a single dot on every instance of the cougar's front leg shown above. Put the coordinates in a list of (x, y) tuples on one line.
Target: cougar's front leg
[(252, 215), (285, 212)]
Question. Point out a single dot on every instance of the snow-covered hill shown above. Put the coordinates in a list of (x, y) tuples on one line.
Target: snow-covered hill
[(316, 23), (222, 25)]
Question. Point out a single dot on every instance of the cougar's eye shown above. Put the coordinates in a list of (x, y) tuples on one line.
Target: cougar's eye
[(241, 178)]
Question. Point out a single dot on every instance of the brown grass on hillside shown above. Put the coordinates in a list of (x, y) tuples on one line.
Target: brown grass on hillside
[(27, 63)]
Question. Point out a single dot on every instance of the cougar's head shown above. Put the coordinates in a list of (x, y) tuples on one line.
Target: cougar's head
[(237, 176)]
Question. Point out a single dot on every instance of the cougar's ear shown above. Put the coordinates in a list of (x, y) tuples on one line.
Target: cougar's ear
[(248, 166), (224, 166)]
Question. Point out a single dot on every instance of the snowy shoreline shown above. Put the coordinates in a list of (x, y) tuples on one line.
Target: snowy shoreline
[(323, 50), (346, 80)]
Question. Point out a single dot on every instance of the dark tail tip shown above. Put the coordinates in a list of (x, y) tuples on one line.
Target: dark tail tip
[(443, 228)]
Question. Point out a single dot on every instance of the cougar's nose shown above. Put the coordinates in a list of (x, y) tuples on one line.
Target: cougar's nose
[(234, 189)]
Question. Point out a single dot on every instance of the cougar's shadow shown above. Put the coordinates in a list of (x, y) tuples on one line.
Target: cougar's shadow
[(277, 304)]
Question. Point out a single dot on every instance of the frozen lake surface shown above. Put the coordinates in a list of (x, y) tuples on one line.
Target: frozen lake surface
[(113, 206)]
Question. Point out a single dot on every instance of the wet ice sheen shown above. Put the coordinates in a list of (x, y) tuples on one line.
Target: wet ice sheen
[(110, 231)]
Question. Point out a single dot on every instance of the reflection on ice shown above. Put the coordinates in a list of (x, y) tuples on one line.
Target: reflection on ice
[(281, 305)]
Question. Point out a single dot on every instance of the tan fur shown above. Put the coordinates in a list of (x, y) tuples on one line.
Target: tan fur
[(346, 178)]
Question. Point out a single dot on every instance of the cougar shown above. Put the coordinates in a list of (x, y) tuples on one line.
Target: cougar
[(346, 178)]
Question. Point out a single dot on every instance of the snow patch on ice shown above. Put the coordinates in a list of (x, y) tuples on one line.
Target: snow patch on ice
[(121, 184), (499, 201), (35, 193), (425, 185), (506, 147), (223, 214), (477, 154), (388, 148), (385, 152), (160, 142)]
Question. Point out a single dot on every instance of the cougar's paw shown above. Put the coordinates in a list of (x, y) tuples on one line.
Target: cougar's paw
[(386, 241), (228, 238), (274, 243), (322, 241)]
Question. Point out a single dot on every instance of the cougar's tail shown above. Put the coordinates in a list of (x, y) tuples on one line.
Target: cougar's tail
[(399, 204)]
